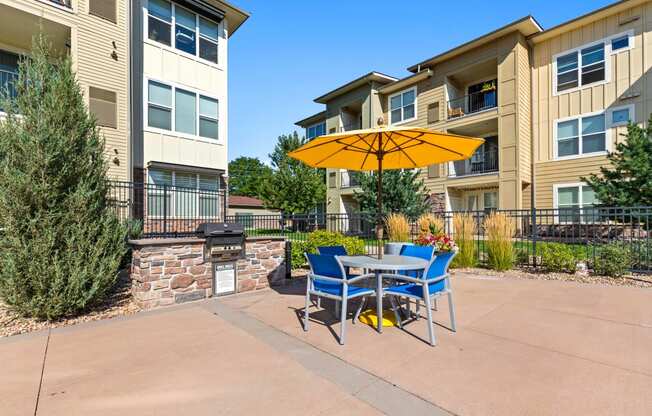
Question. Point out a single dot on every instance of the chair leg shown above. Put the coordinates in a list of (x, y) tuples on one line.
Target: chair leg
[(343, 322), (363, 302), (319, 302), (431, 330), (337, 307), (451, 310), (435, 304), (408, 307), (392, 301), (306, 314), (418, 310)]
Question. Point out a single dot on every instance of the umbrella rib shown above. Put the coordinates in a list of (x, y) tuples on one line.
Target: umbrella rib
[(431, 144), (410, 139), (367, 155), (335, 152), (403, 151)]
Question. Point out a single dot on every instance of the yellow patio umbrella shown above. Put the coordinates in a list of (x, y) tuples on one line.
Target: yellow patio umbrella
[(385, 148)]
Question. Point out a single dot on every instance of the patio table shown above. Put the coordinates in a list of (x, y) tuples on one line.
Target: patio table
[(388, 262)]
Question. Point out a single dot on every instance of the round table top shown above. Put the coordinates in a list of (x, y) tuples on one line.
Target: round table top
[(388, 262)]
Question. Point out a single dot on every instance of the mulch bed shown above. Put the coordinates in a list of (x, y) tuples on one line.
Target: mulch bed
[(118, 304), (632, 280)]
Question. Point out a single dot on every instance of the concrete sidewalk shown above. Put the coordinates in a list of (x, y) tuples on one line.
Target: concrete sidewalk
[(522, 347)]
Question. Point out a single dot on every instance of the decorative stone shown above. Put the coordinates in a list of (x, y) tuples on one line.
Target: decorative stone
[(181, 281), (189, 296)]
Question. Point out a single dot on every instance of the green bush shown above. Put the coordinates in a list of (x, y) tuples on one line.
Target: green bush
[(354, 246), (613, 260), (557, 257), (63, 243)]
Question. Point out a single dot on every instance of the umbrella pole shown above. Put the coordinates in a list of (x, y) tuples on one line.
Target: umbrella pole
[(379, 202)]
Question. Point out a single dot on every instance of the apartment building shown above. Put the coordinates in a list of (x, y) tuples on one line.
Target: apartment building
[(549, 104), (179, 95), (95, 35)]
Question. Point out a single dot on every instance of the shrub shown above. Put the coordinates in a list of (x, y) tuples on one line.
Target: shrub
[(398, 227), (354, 245), (464, 230), (499, 230), (63, 244), (430, 223), (613, 260), (557, 257)]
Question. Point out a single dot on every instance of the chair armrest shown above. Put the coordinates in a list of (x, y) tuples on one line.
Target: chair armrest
[(358, 278), (404, 278), (326, 278), (438, 278)]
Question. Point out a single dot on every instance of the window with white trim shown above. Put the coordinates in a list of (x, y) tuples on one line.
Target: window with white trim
[(176, 194), (581, 136), (575, 202), (193, 34), (176, 109), (620, 116), (402, 106), (316, 130), (581, 67)]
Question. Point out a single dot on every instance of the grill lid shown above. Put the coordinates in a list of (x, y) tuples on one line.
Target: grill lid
[(216, 229)]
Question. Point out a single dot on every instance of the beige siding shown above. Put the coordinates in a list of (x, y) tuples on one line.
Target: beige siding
[(96, 67), (628, 84)]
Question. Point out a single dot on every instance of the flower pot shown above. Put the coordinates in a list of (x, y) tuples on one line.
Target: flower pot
[(394, 248)]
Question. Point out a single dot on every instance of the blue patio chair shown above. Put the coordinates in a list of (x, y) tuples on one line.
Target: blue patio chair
[(332, 250), (327, 278), (422, 252), (434, 283)]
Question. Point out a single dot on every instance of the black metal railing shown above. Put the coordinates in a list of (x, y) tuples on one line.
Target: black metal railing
[(167, 211), (472, 103), (480, 163), (585, 230), (349, 179)]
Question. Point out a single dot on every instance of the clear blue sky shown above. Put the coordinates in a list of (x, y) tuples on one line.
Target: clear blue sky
[(291, 51)]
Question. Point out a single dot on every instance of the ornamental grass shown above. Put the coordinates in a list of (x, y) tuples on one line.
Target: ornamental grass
[(465, 229), (398, 227), (499, 231), (430, 223)]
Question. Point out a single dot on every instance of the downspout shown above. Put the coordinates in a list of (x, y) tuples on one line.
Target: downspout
[(130, 150), (533, 210)]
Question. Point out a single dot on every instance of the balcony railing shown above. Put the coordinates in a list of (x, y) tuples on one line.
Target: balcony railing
[(480, 163), (64, 3), (349, 179), (8, 81), (472, 103)]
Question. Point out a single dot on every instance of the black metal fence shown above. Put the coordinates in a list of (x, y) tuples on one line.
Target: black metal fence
[(167, 211), (170, 211)]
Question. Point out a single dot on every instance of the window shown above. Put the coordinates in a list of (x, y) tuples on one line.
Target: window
[(182, 194), (402, 106), (191, 113), (433, 171), (580, 136), (159, 21), (208, 118), (8, 73), (185, 37), (193, 34), (102, 104), (316, 130), (575, 202), (159, 109), (620, 116), (490, 201), (103, 8), (620, 43), (208, 32), (433, 112)]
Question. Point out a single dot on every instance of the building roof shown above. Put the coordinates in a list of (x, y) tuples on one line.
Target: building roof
[(313, 119), (358, 82), (526, 25), (405, 82), (244, 201), (234, 15), (585, 19)]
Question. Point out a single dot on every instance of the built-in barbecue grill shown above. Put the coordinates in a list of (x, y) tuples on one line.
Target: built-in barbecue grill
[(225, 244)]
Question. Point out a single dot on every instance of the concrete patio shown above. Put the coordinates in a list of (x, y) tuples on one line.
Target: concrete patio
[(523, 347)]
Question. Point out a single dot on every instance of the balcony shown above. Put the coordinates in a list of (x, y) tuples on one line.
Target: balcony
[(482, 162), (473, 103), (349, 179)]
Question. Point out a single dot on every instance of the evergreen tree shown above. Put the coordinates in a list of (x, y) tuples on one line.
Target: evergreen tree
[(403, 192), (627, 181), (62, 245), (246, 175), (293, 187)]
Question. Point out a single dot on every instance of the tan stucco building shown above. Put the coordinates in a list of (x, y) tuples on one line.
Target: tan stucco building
[(549, 103)]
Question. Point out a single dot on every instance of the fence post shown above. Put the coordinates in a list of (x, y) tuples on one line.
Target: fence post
[(165, 210), (534, 236)]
